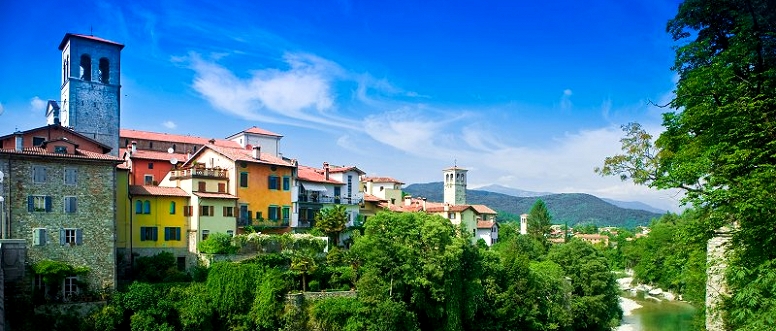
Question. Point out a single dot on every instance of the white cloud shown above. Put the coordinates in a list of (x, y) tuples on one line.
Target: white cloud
[(565, 100), (170, 125), (37, 105)]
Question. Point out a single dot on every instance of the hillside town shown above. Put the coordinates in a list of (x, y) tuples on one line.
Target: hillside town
[(82, 190)]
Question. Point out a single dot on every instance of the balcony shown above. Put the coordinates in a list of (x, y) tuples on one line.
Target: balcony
[(199, 172), (315, 198)]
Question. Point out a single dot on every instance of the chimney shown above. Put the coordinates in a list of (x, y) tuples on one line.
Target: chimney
[(134, 147), (326, 170), (294, 162), (407, 200), (257, 152), (423, 201), (447, 207), (212, 141), (19, 141)]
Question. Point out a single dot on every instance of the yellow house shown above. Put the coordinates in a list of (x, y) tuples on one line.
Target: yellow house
[(158, 221), (262, 183), (211, 208)]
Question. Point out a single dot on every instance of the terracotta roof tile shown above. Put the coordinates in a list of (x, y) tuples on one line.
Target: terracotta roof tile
[(310, 174), (346, 169), (258, 130), (215, 195), (372, 198), (483, 209), (80, 154), (453, 208), (242, 154), (381, 180), (485, 224), (174, 138), (157, 191)]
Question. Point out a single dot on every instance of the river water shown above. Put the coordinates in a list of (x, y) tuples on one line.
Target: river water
[(648, 315)]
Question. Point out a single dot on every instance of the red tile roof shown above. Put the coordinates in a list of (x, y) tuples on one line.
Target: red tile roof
[(310, 174), (485, 224), (372, 198), (174, 138), (452, 208), (346, 169), (258, 130), (79, 154), (157, 191), (381, 180), (242, 154), (75, 35), (215, 195), (483, 209)]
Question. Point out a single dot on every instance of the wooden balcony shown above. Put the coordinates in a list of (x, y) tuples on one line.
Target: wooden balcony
[(198, 172)]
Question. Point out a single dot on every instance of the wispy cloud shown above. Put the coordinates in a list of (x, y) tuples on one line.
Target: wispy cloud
[(170, 125), (565, 100), (37, 104)]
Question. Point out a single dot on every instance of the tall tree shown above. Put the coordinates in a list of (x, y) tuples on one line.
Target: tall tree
[(539, 220), (332, 221), (719, 143)]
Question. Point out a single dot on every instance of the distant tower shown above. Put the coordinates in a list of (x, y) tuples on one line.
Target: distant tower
[(91, 88), (524, 224), (455, 185)]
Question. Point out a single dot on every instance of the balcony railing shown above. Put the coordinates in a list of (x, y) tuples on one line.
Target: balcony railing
[(327, 199), (306, 223), (199, 172), (264, 223)]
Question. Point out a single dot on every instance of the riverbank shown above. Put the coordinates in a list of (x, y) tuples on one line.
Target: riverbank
[(628, 306)]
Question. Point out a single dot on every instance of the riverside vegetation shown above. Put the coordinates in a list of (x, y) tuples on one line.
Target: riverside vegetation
[(412, 271)]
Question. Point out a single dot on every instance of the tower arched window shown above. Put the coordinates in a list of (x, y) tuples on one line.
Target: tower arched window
[(86, 67), (104, 71)]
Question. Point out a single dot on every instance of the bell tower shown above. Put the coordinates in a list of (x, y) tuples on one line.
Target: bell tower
[(91, 88), (455, 185)]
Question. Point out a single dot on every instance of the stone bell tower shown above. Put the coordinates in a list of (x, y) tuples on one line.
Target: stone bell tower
[(91, 88), (455, 185)]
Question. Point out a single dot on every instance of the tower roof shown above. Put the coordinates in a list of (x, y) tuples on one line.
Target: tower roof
[(92, 38)]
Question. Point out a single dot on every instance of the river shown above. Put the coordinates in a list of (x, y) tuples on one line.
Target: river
[(648, 315)]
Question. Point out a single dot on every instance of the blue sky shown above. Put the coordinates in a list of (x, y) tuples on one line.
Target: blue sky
[(526, 95)]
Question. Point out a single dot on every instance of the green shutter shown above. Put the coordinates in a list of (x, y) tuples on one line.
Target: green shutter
[(79, 237)]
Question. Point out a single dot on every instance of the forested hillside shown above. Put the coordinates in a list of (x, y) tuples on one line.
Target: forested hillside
[(574, 208)]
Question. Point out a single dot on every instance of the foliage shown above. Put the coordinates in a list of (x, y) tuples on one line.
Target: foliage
[(217, 243), (335, 314), (718, 144), (332, 221), (539, 220), (161, 267), (231, 286), (54, 272), (267, 307)]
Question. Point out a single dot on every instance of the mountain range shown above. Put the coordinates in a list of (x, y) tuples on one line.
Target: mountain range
[(565, 208)]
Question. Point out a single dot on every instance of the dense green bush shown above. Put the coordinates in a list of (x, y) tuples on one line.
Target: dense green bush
[(217, 243)]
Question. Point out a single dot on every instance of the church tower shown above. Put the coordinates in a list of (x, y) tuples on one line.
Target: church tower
[(91, 88), (455, 185)]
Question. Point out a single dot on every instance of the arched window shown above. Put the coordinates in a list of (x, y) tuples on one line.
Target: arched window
[(86, 67), (104, 71), (146, 207), (172, 207), (138, 207), (65, 70)]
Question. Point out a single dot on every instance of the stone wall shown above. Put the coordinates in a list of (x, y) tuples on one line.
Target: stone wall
[(716, 289), (95, 215), (12, 263)]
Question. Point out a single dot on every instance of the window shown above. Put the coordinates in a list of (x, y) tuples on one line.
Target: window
[(350, 186), (150, 165), (38, 174), (60, 149), (230, 233), (202, 186), (148, 233), (187, 211), (228, 211), (286, 183), (172, 207), (71, 205), (286, 213), (70, 237), (39, 237), (172, 233), (259, 216), (221, 188), (148, 180), (146, 207), (70, 286), (206, 210), (71, 176), (273, 213), (205, 234), (243, 179), (37, 141), (138, 207), (274, 183), (451, 215), (86, 67), (104, 71), (37, 203), (245, 215)]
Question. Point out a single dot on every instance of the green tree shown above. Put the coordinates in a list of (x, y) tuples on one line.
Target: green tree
[(539, 220), (332, 221), (718, 143)]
